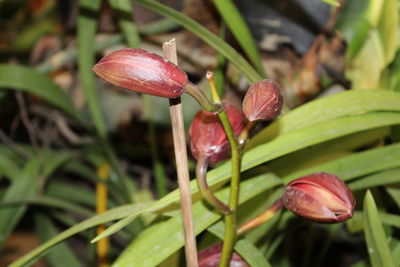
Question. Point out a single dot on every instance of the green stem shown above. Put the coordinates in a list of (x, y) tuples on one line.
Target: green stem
[(208, 195), (230, 219), (205, 103)]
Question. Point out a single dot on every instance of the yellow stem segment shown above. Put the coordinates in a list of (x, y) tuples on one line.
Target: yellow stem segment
[(103, 172)]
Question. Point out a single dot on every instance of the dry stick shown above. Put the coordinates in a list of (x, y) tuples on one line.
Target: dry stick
[(178, 131)]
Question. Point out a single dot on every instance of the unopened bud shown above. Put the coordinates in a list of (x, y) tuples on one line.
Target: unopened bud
[(263, 101), (320, 197), (143, 72), (210, 257), (208, 136)]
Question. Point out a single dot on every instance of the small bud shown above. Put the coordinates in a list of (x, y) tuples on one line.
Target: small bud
[(210, 257), (208, 136), (263, 101), (320, 197), (143, 72)]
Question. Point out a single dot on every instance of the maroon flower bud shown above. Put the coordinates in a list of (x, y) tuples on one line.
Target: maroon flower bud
[(210, 257), (143, 72), (320, 197), (208, 136), (263, 101)]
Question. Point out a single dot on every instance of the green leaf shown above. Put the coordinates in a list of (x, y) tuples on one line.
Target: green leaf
[(395, 194), (87, 22), (160, 240), (48, 202), (377, 244), (26, 185), (239, 29), (208, 37), (388, 29), (61, 255), (110, 215), (245, 248), (356, 165), (328, 108), (29, 80), (381, 178), (124, 12)]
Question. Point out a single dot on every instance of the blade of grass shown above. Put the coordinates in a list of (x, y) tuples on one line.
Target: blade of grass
[(210, 38), (242, 34)]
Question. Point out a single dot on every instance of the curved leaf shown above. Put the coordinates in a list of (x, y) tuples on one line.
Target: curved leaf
[(161, 240), (242, 34), (208, 37), (110, 215), (29, 80), (381, 178), (327, 108), (356, 165)]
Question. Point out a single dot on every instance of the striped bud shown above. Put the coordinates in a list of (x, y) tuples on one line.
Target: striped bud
[(143, 72), (263, 101), (320, 197)]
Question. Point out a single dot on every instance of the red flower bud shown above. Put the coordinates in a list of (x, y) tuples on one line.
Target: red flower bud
[(263, 101), (210, 257), (208, 136), (321, 197), (143, 72)]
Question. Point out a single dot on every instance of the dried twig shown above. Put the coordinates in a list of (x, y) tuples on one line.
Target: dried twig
[(178, 131)]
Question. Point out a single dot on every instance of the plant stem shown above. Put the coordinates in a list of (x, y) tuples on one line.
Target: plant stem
[(209, 196), (103, 172), (262, 218), (178, 132), (194, 91), (230, 219)]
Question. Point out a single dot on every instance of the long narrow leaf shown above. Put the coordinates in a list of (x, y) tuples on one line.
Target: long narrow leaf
[(245, 248), (161, 240), (61, 255), (377, 244), (206, 35), (381, 178), (29, 80), (87, 22), (242, 34), (357, 165), (328, 108)]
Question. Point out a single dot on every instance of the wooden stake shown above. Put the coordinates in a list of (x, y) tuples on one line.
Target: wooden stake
[(178, 131)]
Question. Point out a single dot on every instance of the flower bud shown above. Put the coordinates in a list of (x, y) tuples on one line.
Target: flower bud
[(208, 135), (210, 257), (143, 72), (263, 101), (320, 197)]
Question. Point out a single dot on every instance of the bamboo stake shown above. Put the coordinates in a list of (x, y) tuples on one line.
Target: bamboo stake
[(178, 131)]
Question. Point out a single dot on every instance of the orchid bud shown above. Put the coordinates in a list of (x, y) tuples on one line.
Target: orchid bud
[(210, 257), (263, 101), (208, 137), (143, 72), (320, 197)]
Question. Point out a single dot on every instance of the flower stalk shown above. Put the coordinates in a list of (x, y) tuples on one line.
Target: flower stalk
[(230, 219), (209, 196)]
